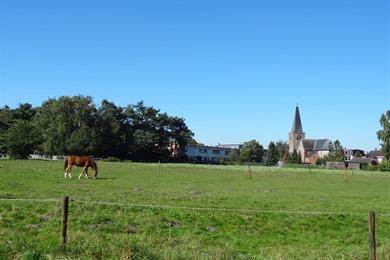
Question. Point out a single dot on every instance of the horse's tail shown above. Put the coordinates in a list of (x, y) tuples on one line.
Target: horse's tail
[(94, 168), (66, 163)]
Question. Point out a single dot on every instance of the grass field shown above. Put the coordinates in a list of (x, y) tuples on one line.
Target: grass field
[(31, 229)]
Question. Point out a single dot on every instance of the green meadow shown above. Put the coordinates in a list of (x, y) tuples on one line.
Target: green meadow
[(200, 212)]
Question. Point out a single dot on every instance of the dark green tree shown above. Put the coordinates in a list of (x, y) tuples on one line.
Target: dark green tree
[(111, 129), (294, 158), (152, 132), (337, 146), (21, 139), (252, 151), (12, 123), (234, 156), (272, 155), (24, 112), (6, 120), (336, 155), (281, 146), (67, 125), (179, 133), (384, 134)]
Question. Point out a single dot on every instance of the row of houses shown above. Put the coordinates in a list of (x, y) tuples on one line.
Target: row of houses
[(210, 154), (354, 158)]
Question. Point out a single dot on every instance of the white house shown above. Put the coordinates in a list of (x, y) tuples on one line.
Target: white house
[(211, 154)]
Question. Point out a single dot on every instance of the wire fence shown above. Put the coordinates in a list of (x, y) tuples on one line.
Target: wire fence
[(204, 209), (64, 222)]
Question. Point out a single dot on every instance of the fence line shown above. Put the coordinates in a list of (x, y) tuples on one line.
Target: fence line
[(239, 210), (32, 200)]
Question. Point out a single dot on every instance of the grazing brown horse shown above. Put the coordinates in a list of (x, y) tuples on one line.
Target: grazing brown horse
[(80, 161)]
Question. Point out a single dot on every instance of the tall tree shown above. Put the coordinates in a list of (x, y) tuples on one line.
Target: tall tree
[(24, 112), (179, 133), (68, 125), (147, 131), (13, 124), (294, 158), (111, 125), (6, 120), (272, 154), (384, 134), (234, 156), (281, 146), (21, 139), (153, 131), (337, 146), (252, 151)]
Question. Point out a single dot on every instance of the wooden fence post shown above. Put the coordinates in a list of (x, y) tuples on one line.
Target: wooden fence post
[(345, 175), (159, 167), (250, 172), (371, 235), (64, 225)]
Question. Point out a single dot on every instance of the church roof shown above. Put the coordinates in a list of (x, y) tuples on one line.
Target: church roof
[(317, 144), (297, 124)]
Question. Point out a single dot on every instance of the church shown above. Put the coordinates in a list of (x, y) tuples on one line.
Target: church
[(310, 150)]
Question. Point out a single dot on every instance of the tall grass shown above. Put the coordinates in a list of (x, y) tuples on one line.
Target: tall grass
[(30, 230)]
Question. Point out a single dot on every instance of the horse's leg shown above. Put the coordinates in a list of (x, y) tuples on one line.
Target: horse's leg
[(81, 173), (68, 172), (86, 172)]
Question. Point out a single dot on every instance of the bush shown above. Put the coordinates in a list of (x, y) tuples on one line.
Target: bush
[(112, 159), (385, 166), (301, 166), (371, 168)]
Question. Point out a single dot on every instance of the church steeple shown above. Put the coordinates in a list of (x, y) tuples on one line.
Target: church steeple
[(297, 124), (296, 135)]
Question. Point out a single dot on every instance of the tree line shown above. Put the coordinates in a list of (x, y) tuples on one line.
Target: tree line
[(253, 151), (75, 125)]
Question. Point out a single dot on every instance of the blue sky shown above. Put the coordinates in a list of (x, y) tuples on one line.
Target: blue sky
[(234, 69)]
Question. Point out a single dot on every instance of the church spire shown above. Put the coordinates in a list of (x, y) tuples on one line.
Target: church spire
[(297, 124)]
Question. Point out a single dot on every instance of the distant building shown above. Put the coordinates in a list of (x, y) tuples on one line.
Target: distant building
[(377, 155), (309, 149), (231, 146), (208, 154), (358, 163), (352, 153)]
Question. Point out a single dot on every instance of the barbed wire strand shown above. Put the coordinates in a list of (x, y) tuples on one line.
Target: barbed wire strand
[(166, 207)]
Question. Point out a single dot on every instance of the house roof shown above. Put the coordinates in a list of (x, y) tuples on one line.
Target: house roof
[(375, 153), (317, 144), (196, 146), (297, 124)]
